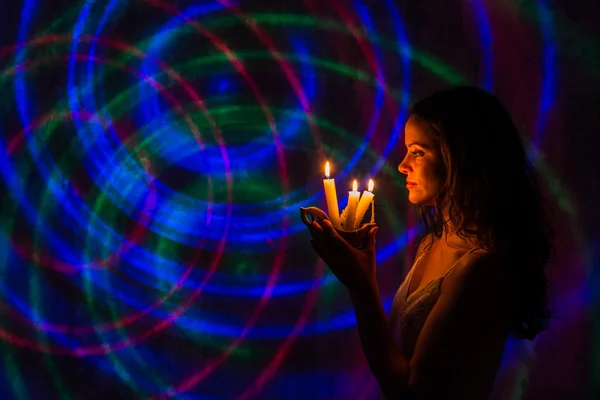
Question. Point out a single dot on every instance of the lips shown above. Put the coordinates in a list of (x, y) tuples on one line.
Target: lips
[(410, 183)]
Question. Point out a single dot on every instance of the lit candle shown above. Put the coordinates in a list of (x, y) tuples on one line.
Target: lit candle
[(353, 198), (331, 198), (366, 200)]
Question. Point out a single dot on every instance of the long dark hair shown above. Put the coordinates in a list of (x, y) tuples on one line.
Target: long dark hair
[(490, 184)]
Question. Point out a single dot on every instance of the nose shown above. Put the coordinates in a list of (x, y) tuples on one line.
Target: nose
[(403, 167)]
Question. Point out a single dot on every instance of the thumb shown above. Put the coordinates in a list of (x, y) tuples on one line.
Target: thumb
[(373, 236)]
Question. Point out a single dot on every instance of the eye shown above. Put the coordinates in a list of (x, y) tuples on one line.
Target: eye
[(417, 153)]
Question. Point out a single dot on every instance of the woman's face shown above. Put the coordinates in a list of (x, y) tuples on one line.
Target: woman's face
[(422, 164)]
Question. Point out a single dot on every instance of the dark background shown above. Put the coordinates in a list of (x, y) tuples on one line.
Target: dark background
[(153, 157)]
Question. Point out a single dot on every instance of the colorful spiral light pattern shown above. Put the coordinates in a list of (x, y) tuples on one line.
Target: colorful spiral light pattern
[(154, 155)]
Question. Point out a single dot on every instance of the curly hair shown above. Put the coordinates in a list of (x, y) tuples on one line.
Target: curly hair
[(491, 185)]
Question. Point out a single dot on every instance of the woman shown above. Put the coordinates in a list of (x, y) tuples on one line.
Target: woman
[(479, 273)]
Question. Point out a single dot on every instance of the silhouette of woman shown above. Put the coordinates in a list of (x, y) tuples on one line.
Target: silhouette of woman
[(479, 271)]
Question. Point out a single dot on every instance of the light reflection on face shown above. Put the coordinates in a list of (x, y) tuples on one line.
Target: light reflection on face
[(422, 164)]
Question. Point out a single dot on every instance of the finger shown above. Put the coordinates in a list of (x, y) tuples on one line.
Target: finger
[(328, 228), (315, 229), (373, 236), (320, 237), (333, 234), (314, 245), (317, 249)]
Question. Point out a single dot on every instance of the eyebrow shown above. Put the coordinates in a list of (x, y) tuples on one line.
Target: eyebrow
[(419, 144)]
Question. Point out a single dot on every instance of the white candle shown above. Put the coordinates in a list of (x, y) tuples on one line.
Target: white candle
[(353, 198), (343, 217), (366, 200), (331, 198)]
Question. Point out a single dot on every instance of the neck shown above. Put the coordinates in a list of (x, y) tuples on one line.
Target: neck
[(450, 228), (450, 235)]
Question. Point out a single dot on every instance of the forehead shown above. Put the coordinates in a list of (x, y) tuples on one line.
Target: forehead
[(417, 131)]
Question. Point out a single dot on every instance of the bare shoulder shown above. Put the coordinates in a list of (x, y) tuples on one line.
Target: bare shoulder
[(481, 282), (480, 262)]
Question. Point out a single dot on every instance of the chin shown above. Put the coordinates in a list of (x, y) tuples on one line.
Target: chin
[(421, 201)]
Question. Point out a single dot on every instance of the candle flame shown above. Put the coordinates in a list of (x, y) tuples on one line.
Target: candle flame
[(371, 184), (354, 186), (327, 169)]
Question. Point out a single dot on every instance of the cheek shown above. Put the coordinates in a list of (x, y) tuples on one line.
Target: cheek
[(432, 179), (425, 172)]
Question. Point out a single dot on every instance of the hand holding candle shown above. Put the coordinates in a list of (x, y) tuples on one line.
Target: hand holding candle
[(367, 199), (349, 225)]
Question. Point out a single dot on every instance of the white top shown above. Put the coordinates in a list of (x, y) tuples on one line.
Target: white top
[(408, 314)]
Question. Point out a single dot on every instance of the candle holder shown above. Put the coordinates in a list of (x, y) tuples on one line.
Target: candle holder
[(356, 238)]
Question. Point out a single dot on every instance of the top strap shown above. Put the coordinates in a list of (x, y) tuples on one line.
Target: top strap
[(457, 261)]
